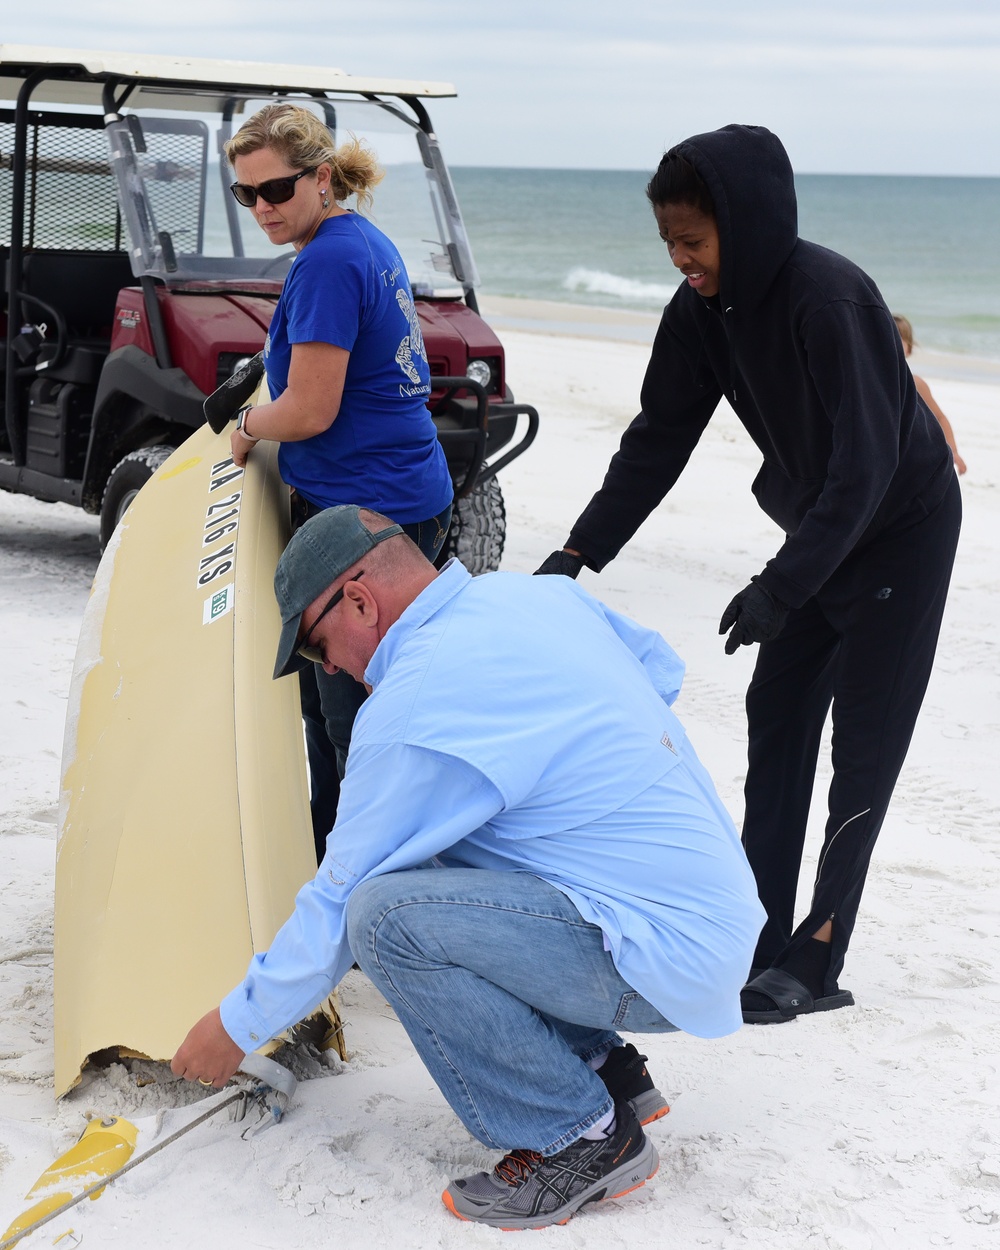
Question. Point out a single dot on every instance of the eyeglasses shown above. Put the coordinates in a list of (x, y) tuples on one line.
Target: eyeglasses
[(315, 654), (274, 191)]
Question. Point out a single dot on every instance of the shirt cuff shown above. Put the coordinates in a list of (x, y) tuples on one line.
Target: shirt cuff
[(240, 1022), (782, 588)]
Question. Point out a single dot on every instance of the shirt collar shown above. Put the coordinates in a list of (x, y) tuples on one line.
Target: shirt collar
[(452, 578)]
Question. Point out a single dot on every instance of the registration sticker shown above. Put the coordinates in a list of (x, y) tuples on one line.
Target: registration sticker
[(218, 604)]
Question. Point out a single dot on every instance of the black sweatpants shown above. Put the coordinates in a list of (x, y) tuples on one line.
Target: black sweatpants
[(865, 644)]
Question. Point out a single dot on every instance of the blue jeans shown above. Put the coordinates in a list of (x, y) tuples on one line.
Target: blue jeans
[(505, 991)]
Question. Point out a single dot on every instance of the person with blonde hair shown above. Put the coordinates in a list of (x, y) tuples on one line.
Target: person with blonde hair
[(347, 372), (924, 391)]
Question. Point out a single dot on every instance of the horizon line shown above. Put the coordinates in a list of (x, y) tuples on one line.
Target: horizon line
[(807, 173)]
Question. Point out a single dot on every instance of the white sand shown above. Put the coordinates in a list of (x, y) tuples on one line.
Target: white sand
[(866, 1128)]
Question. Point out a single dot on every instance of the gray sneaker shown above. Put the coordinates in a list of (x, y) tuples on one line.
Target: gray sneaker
[(528, 1190)]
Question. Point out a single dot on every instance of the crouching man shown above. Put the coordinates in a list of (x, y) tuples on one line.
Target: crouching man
[(586, 877)]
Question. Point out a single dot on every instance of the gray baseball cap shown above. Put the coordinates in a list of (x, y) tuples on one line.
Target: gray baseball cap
[(327, 545)]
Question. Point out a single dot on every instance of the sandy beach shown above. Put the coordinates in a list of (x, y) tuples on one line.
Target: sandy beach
[(872, 1128)]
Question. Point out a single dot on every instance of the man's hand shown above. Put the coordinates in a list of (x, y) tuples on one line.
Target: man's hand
[(208, 1054), (753, 616), (569, 563)]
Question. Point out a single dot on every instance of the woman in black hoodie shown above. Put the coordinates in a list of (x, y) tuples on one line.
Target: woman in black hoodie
[(856, 472)]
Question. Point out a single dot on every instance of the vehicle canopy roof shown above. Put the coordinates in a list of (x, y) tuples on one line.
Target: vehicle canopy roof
[(72, 73)]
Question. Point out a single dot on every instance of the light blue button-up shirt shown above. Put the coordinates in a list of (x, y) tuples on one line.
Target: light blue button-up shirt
[(517, 723)]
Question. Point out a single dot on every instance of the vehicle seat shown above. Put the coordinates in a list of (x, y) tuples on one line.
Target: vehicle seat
[(83, 286)]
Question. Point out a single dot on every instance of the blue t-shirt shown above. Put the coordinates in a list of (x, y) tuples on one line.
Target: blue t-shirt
[(348, 287)]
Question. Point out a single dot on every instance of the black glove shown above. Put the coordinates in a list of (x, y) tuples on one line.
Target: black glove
[(561, 562), (753, 616)]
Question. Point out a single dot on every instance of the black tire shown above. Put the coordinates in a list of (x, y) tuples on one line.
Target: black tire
[(478, 529), (127, 478)]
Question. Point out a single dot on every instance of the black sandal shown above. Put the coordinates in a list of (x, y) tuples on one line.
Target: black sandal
[(790, 997)]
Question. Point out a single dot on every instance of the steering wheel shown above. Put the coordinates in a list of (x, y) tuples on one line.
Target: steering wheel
[(60, 342)]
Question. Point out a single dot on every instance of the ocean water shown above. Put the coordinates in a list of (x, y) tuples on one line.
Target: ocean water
[(931, 244)]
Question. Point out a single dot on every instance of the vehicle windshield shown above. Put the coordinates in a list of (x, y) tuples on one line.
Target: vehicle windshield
[(185, 227)]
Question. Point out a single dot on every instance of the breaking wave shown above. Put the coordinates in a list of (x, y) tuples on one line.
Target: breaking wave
[(598, 282)]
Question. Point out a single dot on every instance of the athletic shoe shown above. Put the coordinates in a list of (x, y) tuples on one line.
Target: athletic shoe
[(624, 1073), (528, 1190)]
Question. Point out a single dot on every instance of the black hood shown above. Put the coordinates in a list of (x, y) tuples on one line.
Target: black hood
[(749, 176)]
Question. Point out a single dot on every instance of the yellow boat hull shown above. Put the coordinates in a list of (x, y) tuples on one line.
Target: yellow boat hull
[(185, 830)]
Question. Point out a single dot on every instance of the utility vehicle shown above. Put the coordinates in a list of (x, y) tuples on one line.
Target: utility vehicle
[(135, 285)]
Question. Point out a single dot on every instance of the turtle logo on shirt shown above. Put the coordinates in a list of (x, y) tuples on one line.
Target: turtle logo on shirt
[(411, 344), (404, 359)]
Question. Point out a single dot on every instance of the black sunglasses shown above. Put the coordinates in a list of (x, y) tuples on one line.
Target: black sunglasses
[(314, 654), (274, 191)]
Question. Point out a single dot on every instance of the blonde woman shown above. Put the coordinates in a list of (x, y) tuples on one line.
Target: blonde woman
[(346, 367), (924, 391)]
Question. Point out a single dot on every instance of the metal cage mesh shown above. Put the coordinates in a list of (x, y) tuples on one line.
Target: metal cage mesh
[(70, 200), (70, 196)]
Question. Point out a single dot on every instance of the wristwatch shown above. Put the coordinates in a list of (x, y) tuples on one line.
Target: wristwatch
[(241, 424)]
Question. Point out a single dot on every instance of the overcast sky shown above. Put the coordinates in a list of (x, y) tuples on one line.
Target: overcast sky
[(851, 86)]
